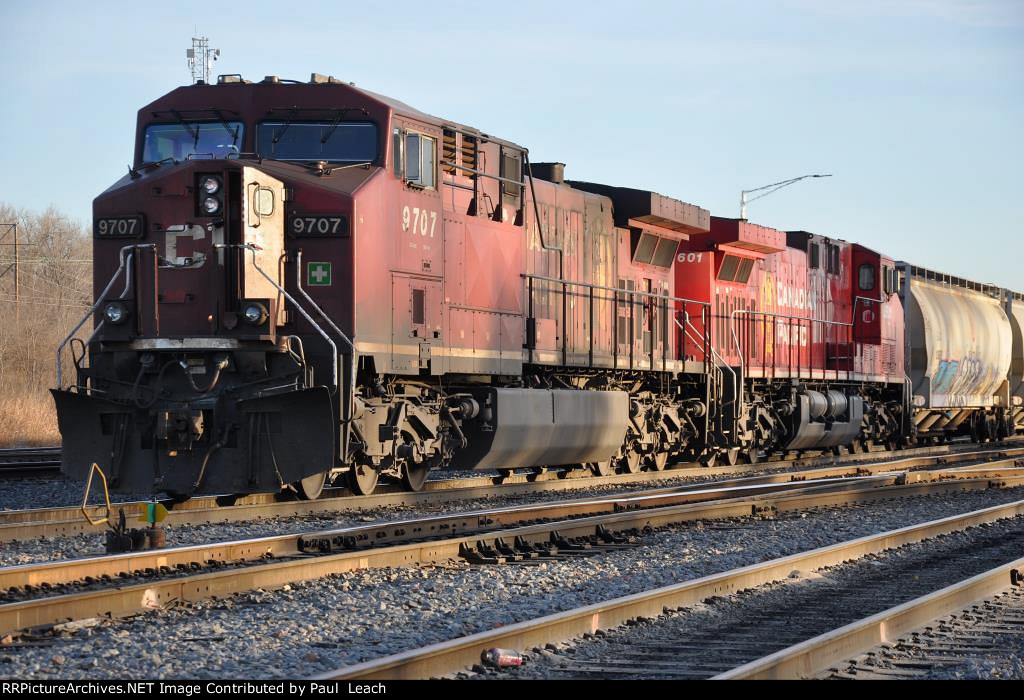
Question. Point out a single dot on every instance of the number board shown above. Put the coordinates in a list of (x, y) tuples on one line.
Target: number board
[(319, 226), (119, 227)]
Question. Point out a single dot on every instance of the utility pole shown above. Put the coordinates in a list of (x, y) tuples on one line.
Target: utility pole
[(9, 228)]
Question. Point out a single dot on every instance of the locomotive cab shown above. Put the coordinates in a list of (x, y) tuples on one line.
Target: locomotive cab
[(194, 367), (211, 367), (875, 282)]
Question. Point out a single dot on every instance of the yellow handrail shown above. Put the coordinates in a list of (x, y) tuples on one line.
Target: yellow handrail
[(106, 495)]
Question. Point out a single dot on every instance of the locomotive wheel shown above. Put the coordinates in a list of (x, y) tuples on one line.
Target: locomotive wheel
[(604, 468), (753, 455), (630, 464), (710, 459), (534, 473), (732, 456), (362, 478), (658, 461), (310, 488), (414, 474)]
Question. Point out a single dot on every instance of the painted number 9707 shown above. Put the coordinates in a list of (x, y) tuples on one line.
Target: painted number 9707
[(318, 226), (119, 227), (419, 221)]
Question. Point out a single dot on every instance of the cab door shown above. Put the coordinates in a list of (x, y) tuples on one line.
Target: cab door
[(868, 296)]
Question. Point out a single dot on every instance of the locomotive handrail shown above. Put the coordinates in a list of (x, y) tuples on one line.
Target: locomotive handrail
[(536, 213), (617, 290), (302, 290), (792, 317), (125, 256), (769, 314), (334, 348), (124, 293), (475, 171), (662, 299), (719, 361), (349, 392), (751, 312)]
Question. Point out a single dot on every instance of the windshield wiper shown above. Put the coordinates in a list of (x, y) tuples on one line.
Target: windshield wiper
[(278, 133), (193, 131), (337, 120), (224, 122), (147, 164)]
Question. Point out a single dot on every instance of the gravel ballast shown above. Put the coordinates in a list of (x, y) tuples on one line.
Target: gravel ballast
[(344, 619), (724, 633), (87, 545)]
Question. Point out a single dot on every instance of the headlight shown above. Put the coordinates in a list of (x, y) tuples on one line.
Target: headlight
[(115, 312), (210, 184), (211, 205), (255, 314)]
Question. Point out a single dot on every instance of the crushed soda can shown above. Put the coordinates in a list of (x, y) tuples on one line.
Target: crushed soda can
[(501, 658)]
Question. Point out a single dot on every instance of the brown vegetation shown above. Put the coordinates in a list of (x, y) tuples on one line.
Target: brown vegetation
[(54, 290)]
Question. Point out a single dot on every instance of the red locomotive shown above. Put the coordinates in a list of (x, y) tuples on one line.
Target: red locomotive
[(809, 327), (296, 281)]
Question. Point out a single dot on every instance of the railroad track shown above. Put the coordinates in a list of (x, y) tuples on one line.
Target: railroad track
[(975, 542), (30, 524), (943, 628), (43, 594), (29, 462), (989, 629)]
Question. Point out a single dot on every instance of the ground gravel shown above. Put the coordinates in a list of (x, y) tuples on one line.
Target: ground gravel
[(87, 545), (726, 632), (344, 619)]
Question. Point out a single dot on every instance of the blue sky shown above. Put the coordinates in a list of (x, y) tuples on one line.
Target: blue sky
[(916, 106)]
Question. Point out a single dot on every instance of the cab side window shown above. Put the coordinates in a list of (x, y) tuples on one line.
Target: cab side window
[(866, 277), (420, 160)]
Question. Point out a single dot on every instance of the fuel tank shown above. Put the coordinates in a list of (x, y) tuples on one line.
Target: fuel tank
[(960, 345), (534, 427), (823, 420)]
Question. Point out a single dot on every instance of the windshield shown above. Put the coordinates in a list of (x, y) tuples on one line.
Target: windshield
[(184, 139), (339, 142)]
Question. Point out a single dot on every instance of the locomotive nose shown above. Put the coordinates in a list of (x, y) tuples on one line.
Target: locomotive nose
[(194, 390)]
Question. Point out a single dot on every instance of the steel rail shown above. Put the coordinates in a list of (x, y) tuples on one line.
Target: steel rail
[(820, 653), (66, 521), (457, 654), (398, 531), (29, 461), (123, 598)]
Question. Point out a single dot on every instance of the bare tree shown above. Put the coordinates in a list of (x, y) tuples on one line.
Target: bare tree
[(54, 290)]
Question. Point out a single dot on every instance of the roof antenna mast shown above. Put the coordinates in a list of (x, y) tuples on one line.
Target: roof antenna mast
[(200, 59)]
